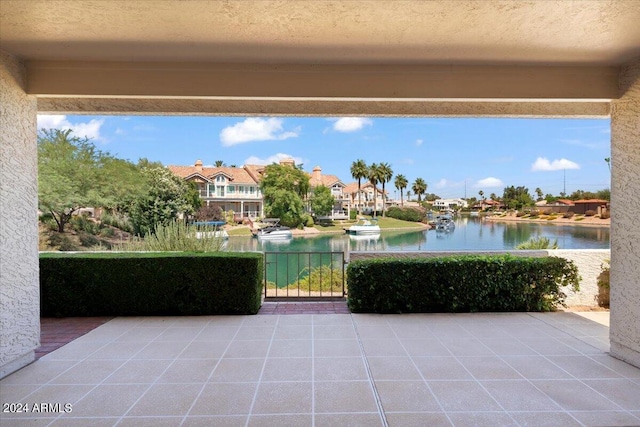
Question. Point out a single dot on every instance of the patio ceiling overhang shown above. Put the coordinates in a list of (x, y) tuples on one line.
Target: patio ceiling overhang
[(483, 58)]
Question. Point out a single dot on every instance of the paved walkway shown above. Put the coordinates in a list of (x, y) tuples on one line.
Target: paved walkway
[(515, 369)]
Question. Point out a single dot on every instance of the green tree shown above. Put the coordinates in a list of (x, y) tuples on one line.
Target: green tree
[(481, 193), (401, 183), (164, 198), (283, 188), (517, 197), (419, 187), (219, 163), (539, 194), (73, 174), (385, 175), (322, 201), (359, 170)]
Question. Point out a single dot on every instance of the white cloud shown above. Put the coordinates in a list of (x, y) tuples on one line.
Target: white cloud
[(255, 129), (445, 183), (489, 182), (441, 184), (255, 160), (90, 130), (419, 142), (350, 124), (543, 164)]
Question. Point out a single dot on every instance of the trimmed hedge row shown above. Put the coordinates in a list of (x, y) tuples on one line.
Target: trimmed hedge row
[(142, 284), (469, 283), (405, 214)]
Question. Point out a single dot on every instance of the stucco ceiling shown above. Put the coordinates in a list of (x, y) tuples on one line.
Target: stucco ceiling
[(548, 32)]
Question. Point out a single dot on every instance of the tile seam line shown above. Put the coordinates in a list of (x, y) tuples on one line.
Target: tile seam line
[(219, 360), (580, 380), (372, 384)]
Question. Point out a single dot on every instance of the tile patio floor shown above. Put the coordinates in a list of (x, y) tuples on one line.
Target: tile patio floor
[(515, 369)]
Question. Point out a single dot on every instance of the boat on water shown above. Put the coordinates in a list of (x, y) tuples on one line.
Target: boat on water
[(273, 231), (445, 223), (364, 227), (474, 213)]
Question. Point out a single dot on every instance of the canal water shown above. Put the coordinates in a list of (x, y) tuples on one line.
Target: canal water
[(469, 234)]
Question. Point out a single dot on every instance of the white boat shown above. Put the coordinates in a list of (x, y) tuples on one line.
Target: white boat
[(474, 213), (445, 223), (273, 231), (364, 226)]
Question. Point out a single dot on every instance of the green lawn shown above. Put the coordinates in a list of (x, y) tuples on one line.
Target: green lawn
[(239, 231), (397, 223)]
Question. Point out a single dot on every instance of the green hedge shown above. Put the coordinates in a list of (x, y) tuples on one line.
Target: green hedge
[(141, 284), (405, 214), (468, 283)]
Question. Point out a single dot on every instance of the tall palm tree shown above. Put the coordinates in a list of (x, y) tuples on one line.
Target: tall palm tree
[(419, 187), (219, 163), (401, 183), (359, 170), (386, 173), (374, 178)]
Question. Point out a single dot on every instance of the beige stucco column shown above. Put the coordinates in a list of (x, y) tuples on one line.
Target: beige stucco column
[(625, 211), (19, 286)]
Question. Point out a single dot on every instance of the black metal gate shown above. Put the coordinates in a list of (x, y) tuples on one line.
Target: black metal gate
[(309, 275)]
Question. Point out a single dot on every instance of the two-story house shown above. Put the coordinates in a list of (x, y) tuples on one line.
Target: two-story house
[(229, 188), (342, 205), (366, 190)]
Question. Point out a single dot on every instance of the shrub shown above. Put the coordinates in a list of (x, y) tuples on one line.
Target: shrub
[(590, 213), (353, 214), (538, 243), (142, 284), (118, 221), (107, 232), (210, 213), (520, 214), (459, 284), (568, 214), (83, 223), (308, 220), (605, 215), (405, 214), (87, 240), (547, 212), (604, 285), (177, 236), (62, 242)]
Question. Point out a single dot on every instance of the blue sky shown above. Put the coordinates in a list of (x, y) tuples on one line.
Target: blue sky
[(448, 153)]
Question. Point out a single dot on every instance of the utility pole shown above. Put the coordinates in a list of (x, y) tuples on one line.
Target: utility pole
[(564, 189)]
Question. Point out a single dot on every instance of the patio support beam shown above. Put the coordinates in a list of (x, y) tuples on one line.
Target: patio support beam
[(625, 207), (364, 81), (19, 283)]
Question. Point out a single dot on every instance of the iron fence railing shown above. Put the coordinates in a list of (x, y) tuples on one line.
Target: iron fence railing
[(317, 275)]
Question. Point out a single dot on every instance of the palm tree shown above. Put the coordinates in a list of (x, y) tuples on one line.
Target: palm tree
[(419, 187), (386, 173), (539, 194), (219, 163), (481, 193), (375, 176), (359, 170), (401, 183)]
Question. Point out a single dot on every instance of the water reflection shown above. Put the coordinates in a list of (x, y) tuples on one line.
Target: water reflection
[(469, 234)]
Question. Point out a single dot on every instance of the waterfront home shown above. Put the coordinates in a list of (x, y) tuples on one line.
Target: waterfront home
[(366, 190), (234, 189), (442, 204), (342, 205)]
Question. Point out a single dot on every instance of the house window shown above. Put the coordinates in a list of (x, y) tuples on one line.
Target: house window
[(240, 188), (219, 178), (211, 189), (231, 189), (252, 189), (220, 192)]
